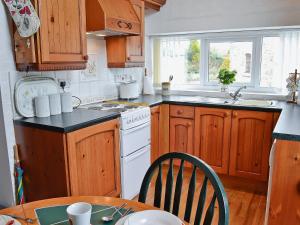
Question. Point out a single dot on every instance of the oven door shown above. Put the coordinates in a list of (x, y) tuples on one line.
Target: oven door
[(133, 170), (135, 138)]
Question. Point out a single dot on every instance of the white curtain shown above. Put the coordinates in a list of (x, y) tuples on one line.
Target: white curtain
[(290, 53)]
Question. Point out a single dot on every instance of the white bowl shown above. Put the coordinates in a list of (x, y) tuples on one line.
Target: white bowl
[(151, 217)]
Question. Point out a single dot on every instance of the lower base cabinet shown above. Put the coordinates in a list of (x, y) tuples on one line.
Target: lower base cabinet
[(83, 162), (233, 142), (212, 137), (285, 184), (251, 137), (181, 136), (94, 160)]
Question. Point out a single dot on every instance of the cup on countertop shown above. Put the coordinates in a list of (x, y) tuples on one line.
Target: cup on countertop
[(66, 102), (42, 106), (79, 213), (55, 104)]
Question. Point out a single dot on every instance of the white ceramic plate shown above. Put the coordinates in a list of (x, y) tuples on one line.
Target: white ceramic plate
[(26, 89), (151, 217), (5, 219), (122, 220)]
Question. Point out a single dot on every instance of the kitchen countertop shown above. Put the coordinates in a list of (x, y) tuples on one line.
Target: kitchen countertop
[(67, 122), (287, 128)]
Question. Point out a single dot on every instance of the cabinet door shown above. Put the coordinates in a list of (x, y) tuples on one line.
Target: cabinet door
[(63, 31), (155, 134), (94, 160), (212, 137), (181, 135), (250, 144), (135, 44)]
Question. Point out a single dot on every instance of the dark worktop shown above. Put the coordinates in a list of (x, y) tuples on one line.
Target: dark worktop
[(67, 122), (287, 128)]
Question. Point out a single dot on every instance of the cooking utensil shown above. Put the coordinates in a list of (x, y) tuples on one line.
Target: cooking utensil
[(27, 220), (128, 211), (111, 217), (171, 77)]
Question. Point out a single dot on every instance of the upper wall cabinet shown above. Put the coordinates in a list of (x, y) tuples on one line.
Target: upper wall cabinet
[(112, 17), (154, 4), (127, 51), (60, 43)]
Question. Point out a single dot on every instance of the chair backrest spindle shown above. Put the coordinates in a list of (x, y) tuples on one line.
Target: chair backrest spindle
[(158, 187), (169, 187), (190, 196), (178, 189), (209, 177)]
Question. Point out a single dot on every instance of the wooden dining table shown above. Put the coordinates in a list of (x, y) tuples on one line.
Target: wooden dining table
[(28, 210)]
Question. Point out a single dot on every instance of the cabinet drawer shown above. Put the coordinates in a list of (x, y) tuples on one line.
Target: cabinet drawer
[(182, 111)]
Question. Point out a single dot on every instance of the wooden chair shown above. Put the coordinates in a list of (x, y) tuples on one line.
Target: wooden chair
[(209, 176)]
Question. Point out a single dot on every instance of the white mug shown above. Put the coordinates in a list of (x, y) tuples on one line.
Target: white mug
[(66, 102), (80, 213), (55, 104), (42, 108)]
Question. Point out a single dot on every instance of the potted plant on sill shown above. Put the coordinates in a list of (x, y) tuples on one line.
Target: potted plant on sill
[(226, 77)]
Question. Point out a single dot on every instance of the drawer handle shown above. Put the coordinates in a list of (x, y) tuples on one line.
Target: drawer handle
[(124, 25), (227, 114), (179, 112), (86, 57), (235, 115), (189, 124)]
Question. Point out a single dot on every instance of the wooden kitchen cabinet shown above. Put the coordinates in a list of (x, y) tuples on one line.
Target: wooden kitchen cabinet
[(154, 4), (285, 184), (60, 43), (250, 144), (94, 160), (128, 51), (82, 162), (159, 131), (181, 135), (212, 137), (155, 134)]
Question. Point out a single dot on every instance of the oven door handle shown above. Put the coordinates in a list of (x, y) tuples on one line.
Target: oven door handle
[(136, 154), (136, 128)]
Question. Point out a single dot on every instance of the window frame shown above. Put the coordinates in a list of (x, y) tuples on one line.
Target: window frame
[(206, 52), (256, 37)]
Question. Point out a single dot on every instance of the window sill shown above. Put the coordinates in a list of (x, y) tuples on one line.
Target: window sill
[(215, 92)]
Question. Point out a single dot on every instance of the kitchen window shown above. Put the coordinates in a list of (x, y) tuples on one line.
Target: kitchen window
[(257, 56)]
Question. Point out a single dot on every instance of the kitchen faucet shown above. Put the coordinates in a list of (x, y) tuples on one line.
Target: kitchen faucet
[(236, 95)]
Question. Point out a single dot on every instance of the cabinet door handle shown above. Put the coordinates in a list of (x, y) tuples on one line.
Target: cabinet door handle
[(179, 112), (189, 124), (235, 115), (86, 57), (227, 114)]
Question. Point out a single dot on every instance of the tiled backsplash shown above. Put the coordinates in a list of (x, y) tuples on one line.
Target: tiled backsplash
[(103, 85)]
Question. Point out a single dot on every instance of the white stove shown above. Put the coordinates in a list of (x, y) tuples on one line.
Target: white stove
[(135, 141)]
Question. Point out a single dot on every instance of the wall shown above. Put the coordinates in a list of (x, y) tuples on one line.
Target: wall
[(103, 86), (203, 15), (6, 123)]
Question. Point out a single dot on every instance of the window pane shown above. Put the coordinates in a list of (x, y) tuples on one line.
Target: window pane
[(231, 55), (270, 66), (181, 58)]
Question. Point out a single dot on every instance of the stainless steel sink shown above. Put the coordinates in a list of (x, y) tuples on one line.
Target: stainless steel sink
[(250, 102)]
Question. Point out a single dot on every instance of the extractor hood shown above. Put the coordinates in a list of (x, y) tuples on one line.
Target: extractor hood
[(111, 18)]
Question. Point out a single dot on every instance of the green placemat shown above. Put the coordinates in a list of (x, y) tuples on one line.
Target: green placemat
[(57, 215)]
